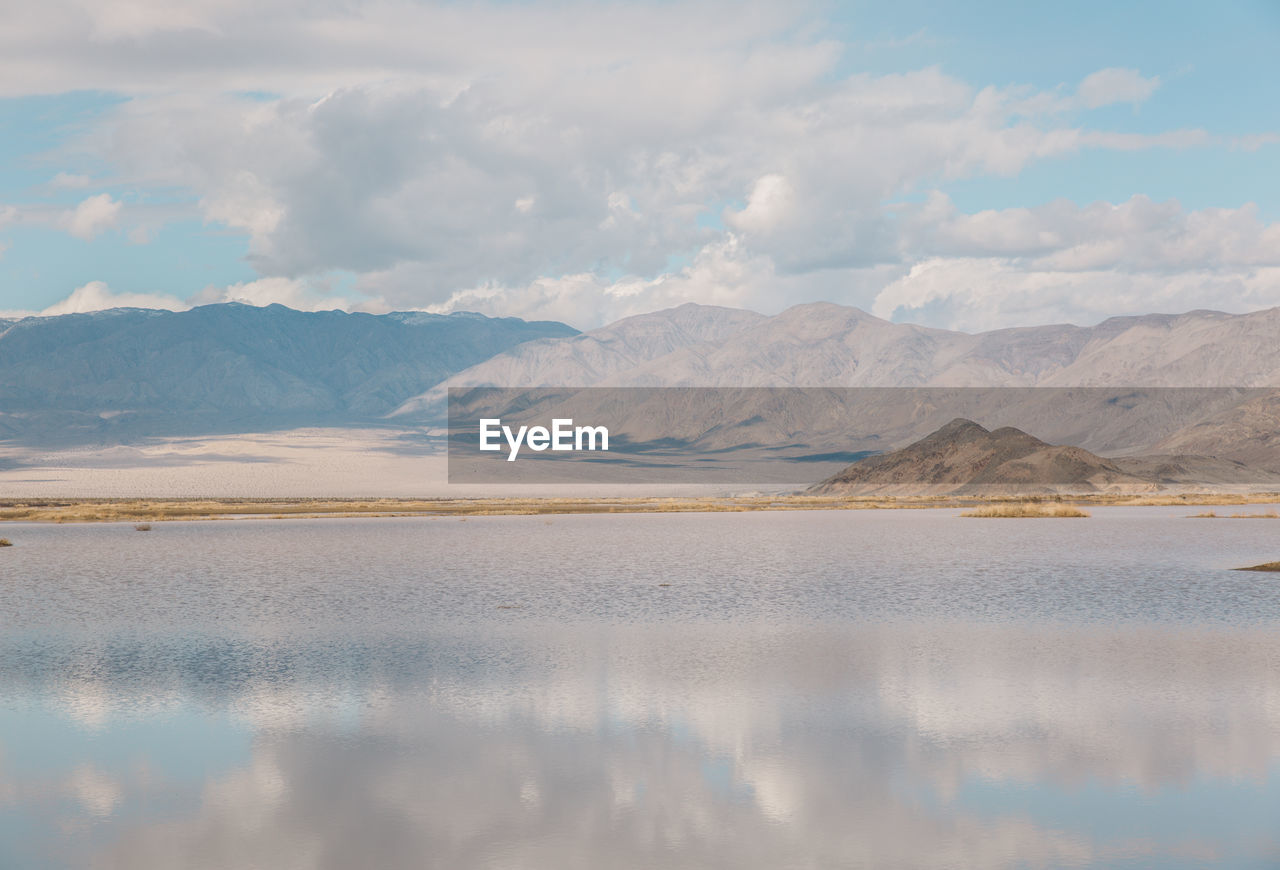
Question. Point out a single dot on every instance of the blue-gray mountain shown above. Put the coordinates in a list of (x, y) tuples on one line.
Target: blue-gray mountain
[(130, 372), (127, 374), (821, 345)]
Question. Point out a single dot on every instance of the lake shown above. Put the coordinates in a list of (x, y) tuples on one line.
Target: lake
[(739, 690)]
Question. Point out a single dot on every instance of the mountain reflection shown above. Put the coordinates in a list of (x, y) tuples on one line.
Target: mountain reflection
[(816, 745)]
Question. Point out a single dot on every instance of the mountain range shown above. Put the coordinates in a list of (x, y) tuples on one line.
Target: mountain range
[(1231, 359), (130, 373), (826, 345)]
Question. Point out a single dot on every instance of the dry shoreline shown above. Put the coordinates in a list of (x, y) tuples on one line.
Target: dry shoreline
[(139, 510)]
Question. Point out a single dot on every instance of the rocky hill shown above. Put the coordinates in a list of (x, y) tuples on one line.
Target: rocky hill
[(963, 454)]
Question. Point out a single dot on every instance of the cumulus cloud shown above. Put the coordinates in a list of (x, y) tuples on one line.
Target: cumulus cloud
[(97, 296), (302, 47), (571, 160), (723, 273), (93, 216), (1137, 235), (300, 295), (289, 292), (1115, 85), (498, 184), (980, 293), (69, 181), (772, 201)]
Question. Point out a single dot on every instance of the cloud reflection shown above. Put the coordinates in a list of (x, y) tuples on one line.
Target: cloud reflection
[(746, 746)]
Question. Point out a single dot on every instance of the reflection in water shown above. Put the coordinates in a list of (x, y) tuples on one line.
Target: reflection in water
[(925, 745), (818, 689)]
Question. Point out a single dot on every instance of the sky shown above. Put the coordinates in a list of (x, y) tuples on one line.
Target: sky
[(962, 165)]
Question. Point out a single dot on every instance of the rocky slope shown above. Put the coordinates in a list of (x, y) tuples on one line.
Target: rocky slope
[(964, 454), (831, 346), (826, 345), (593, 357), (821, 344), (134, 372)]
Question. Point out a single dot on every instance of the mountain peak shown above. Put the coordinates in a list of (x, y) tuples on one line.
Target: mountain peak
[(963, 454), (959, 429)]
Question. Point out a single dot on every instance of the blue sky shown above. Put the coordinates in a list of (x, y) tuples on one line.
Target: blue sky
[(1217, 63), (586, 161)]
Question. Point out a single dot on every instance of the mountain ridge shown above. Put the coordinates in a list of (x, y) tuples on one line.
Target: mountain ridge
[(134, 373), (828, 345), (230, 361)]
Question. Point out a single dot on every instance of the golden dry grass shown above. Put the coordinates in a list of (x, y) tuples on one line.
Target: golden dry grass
[(1265, 566), (142, 511), (5, 542), (1211, 515), (1027, 509)]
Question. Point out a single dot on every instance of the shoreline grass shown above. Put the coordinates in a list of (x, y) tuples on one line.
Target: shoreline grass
[(143, 511), (1029, 510), (1265, 566), (1212, 515)]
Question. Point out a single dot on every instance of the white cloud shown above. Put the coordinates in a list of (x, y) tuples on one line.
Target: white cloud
[(1115, 85), (1136, 235), (560, 160), (93, 216), (1061, 262), (976, 294), (723, 273), (1255, 141), (771, 202), (97, 296), (504, 183), (69, 181), (303, 296), (289, 292), (302, 47)]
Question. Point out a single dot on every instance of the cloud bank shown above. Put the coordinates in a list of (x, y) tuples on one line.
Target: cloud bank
[(582, 161)]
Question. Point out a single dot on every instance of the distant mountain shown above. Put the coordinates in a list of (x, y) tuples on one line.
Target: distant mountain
[(964, 454), (1249, 431), (826, 345), (130, 373), (591, 357), (136, 372)]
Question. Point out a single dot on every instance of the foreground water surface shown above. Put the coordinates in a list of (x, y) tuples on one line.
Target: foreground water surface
[(756, 690)]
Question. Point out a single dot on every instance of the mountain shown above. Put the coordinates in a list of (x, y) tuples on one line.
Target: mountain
[(591, 357), (1249, 432), (964, 454), (135, 372), (823, 345), (826, 345), (130, 373)]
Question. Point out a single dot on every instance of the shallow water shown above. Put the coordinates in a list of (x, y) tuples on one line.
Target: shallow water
[(807, 689)]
